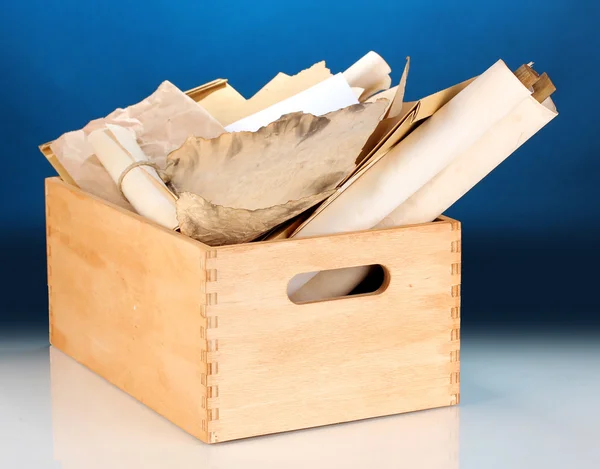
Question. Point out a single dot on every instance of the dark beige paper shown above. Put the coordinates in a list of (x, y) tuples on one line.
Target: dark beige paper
[(246, 183), (161, 123)]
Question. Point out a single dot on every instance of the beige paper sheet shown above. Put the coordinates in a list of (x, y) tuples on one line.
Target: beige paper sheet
[(228, 106), (373, 194), (161, 122), (266, 177), (224, 104), (460, 176), (396, 107), (435, 197), (394, 128), (388, 133)]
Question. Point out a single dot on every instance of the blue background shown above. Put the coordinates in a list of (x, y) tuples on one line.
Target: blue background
[(531, 229)]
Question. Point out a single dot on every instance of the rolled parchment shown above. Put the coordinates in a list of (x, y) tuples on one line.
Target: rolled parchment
[(378, 189), (460, 176), (161, 123), (435, 197), (371, 73), (118, 151)]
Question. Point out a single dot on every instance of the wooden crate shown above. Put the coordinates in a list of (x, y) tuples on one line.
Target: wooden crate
[(208, 338)]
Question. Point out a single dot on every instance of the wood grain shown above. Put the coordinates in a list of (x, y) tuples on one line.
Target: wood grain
[(208, 338), (543, 88), (541, 84), (527, 75), (280, 366), (126, 300)]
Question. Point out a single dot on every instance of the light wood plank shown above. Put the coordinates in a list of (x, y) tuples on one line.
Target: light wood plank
[(126, 301), (278, 366), (208, 338)]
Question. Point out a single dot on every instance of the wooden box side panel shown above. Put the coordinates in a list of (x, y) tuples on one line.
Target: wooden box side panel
[(127, 301), (279, 366)]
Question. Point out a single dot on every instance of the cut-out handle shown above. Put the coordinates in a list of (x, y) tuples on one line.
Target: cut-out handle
[(304, 288)]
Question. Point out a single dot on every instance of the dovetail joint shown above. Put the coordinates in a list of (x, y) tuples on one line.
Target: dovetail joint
[(454, 378), (213, 414), (213, 345), (211, 275), (212, 391), (211, 366), (455, 225), (211, 299), (212, 322), (49, 267)]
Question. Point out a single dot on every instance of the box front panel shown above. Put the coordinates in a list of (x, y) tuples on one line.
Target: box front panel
[(126, 301), (278, 366)]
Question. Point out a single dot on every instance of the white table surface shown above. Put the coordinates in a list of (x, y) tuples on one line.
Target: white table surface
[(527, 402)]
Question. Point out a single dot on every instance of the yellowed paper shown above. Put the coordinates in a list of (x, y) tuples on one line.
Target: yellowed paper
[(202, 92), (217, 224), (454, 181), (117, 149), (224, 103), (395, 127), (371, 73), (373, 193), (429, 202), (398, 101), (283, 86), (297, 157), (391, 131), (387, 134), (385, 94), (394, 95), (161, 123), (228, 106)]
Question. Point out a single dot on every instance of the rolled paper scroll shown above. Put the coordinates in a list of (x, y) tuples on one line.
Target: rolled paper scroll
[(371, 73), (161, 123), (124, 160), (473, 165), (378, 189), (435, 197)]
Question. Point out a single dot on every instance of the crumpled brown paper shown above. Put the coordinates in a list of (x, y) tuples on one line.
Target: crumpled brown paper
[(161, 123), (215, 225), (246, 183)]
